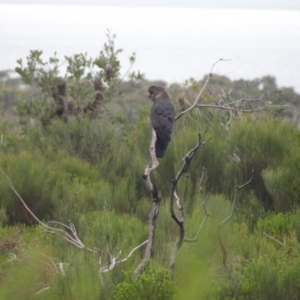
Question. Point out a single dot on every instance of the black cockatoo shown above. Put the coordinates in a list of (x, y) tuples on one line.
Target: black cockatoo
[(162, 118)]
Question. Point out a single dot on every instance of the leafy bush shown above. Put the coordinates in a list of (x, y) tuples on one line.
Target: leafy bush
[(282, 182), (277, 225), (50, 188), (86, 85), (154, 283), (260, 144), (261, 267)]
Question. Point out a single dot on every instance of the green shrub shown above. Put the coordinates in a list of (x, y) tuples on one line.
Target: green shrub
[(260, 144), (153, 283), (277, 225), (259, 266), (282, 182), (55, 188)]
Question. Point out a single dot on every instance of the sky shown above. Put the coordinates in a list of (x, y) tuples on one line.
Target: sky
[(243, 4), (261, 37)]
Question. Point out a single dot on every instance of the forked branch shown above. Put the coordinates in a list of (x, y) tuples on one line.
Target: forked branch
[(233, 204), (206, 215), (201, 91), (180, 219), (67, 233), (113, 259)]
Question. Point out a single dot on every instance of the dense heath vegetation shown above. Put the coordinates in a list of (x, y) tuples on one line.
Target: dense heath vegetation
[(75, 148)]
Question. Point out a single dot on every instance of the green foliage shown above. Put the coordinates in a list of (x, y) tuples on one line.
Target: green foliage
[(262, 267), (86, 83), (277, 225), (85, 139), (261, 145), (263, 278), (198, 263), (268, 279), (153, 283), (22, 264), (34, 180), (107, 228), (10, 92), (282, 182), (77, 159), (36, 268), (47, 190), (3, 216)]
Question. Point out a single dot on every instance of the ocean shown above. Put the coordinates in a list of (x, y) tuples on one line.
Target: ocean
[(171, 44)]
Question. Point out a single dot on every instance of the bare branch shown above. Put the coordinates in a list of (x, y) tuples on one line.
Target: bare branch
[(241, 101), (151, 232), (12, 256), (69, 237), (201, 91), (155, 205), (186, 162), (204, 203), (225, 107), (237, 189), (23, 202), (201, 225), (134, 249), (185, 100), (111, 263), (229, 121), (272, 238), (180, 219), (41, 291), (155, 163)]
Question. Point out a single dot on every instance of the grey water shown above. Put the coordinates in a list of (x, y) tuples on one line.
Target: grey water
[(171, 44)]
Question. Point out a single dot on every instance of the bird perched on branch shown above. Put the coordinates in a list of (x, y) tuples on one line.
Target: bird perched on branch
[(162, 118)]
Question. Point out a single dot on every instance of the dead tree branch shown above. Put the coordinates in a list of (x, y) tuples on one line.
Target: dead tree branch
[(68, 233), (180, 219), (231, 106), (154, 166), (155, 206), (226, 107), (200, 93), (273, 239), (113, 259), (206, 215), (204, 203), (233, 203), (226, 103)]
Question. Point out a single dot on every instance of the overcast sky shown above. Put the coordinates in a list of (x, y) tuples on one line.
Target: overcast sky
[(252, 4)]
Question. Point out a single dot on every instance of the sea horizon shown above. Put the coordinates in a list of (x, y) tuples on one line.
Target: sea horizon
[(171, 44)]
